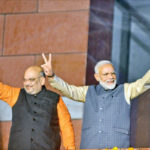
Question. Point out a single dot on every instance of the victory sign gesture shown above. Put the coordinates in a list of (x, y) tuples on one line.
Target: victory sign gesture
[(47, 67)]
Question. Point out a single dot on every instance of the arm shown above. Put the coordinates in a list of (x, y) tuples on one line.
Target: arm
[(66, 127), (9, 94), (71, 91), (138, 87), (77, 93)]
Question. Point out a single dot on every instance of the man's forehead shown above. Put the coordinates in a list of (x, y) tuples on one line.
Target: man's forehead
[(31, 73), (106, 67)]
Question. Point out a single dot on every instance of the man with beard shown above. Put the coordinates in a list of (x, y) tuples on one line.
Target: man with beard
[(106, 119), (38, 115)]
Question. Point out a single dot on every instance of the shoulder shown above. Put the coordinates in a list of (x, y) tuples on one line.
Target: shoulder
[(52, 94)]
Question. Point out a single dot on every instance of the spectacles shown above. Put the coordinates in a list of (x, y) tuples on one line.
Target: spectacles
[(31, 79)]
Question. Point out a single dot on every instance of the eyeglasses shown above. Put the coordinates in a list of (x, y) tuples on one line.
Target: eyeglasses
[(31, 79)]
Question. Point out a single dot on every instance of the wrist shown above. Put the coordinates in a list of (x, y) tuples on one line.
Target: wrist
[(51, 76)]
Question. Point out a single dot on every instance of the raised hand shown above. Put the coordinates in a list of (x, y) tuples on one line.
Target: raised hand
[(47, 67)]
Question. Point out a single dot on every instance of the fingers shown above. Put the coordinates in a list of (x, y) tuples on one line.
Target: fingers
[(44, 58), (42, 66), (50, 58), (47, 67), (47, 70)]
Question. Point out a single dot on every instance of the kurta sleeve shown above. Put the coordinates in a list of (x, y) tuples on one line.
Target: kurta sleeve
[(138, 87), (77, 93), (66, 127), (9, 94)]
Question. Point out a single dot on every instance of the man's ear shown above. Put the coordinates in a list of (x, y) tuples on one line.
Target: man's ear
[(96, 75), (42, 80)]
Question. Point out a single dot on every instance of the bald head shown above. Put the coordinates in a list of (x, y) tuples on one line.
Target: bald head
[(33, 80), (34, 69)]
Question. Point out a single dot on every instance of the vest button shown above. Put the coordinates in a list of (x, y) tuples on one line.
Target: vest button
[(32, 129), (31, 139), (34, 112), (35, 103), (34, 119)]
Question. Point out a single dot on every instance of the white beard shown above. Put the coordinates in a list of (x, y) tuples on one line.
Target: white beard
[(106, 86)]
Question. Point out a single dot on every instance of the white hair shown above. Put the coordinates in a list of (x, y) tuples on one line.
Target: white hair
[(101, 63)]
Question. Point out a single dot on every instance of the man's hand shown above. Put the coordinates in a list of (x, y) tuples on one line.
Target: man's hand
[(47, 67)]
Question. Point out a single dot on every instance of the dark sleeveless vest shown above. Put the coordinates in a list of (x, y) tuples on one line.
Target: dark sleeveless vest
[(106, 120), (35, 122)]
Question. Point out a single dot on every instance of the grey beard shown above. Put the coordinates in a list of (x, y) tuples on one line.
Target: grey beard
[(106, 86)]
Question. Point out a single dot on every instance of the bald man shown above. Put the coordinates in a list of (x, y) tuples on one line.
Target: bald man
[(38, 115)]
